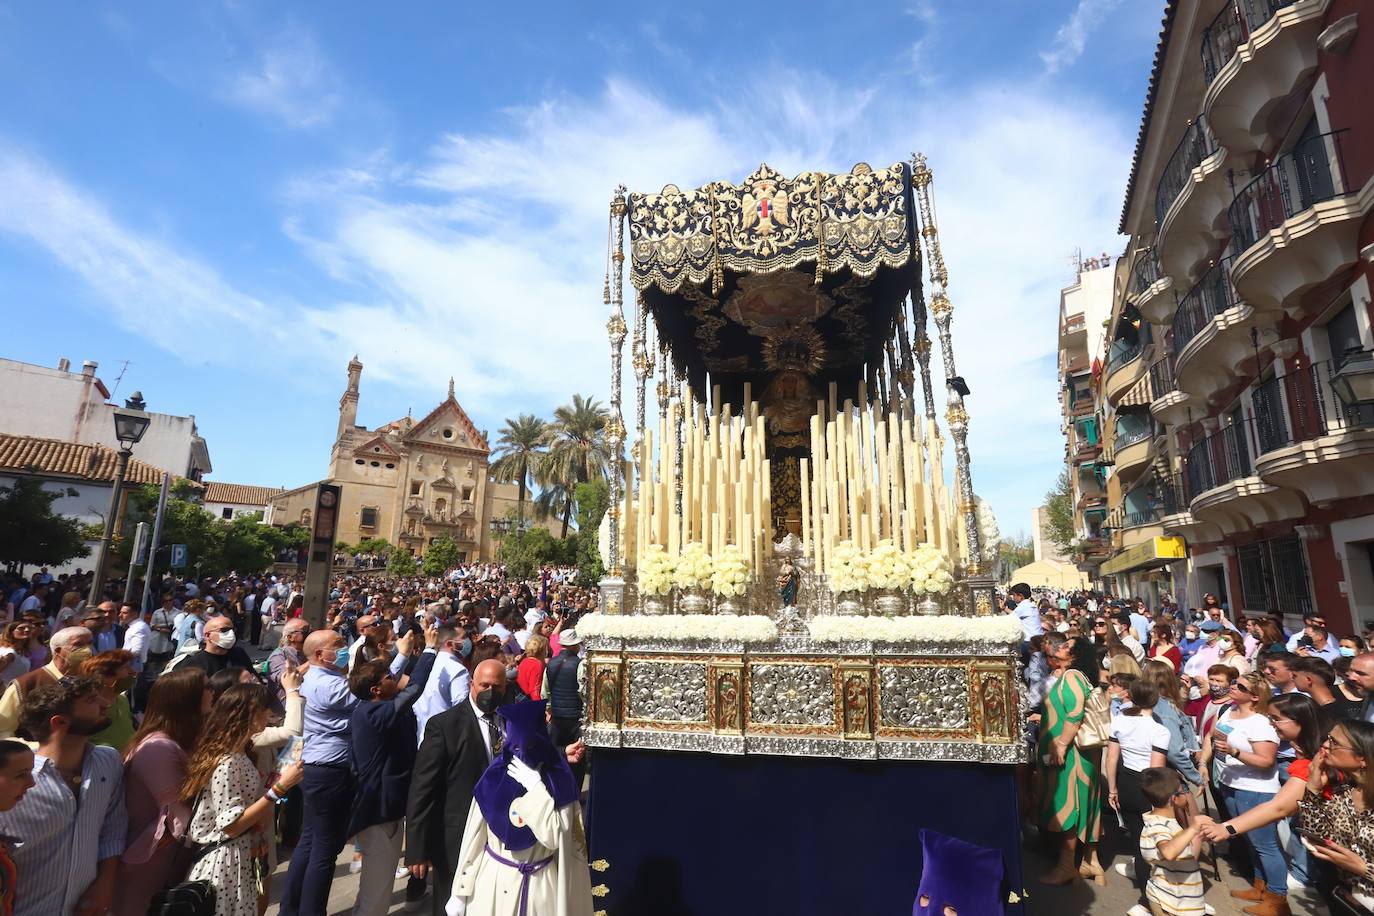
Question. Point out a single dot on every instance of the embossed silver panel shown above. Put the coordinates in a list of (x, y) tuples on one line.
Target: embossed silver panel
[(667, 691), (791, 695), (923, 697), (809, 747)]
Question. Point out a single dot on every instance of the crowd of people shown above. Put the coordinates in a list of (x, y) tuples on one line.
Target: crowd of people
[(1176, 734), (172, 770)]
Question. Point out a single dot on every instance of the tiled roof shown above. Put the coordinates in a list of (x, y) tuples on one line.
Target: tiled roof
[(239, 494), (83, 461), (1161, 50)]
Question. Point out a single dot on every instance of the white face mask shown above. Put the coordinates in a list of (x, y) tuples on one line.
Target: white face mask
[(1224, 645), (225, 639)]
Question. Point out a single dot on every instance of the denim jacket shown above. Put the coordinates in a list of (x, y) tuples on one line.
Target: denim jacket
[(1182, 740)]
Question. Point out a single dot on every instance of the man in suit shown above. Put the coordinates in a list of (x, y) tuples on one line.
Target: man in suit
[(458, 746)]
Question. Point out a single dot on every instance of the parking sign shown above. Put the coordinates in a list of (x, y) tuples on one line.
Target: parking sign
[(178, 556)]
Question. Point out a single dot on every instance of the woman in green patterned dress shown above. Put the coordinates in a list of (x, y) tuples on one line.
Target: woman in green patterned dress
[(1070, 793)]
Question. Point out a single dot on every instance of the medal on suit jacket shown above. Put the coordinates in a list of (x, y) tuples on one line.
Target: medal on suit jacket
[(527, 737)]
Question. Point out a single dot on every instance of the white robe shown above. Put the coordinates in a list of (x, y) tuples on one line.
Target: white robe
[(561, 888)]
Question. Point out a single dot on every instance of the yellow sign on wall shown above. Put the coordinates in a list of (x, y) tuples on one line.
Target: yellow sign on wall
[(1150, 553)]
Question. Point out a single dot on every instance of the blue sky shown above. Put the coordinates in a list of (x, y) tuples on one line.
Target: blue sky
[(235, 197)]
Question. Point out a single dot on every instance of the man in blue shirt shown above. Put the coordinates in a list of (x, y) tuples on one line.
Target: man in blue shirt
[(1141, 623), (1026, 611), (328, 784)]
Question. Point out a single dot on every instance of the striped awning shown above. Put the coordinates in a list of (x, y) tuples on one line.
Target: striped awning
[(1139, 394)]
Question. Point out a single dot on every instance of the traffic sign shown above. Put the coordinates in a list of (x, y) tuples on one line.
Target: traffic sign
[(178, 556)]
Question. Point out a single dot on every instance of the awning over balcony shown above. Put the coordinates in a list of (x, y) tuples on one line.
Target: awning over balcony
[(1159, 551), (1138, 395)]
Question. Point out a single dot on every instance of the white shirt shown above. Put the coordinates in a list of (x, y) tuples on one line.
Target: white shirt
[(1130, 642), (136, 638), (1029, 614), (1139, 736), (448, 683), (1242, 734)]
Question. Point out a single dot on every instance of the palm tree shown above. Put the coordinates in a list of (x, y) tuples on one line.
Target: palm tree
[(578, 452), (520, 449)]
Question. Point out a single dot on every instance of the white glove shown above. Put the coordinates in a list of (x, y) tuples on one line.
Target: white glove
[(456, 906), (523, 773)]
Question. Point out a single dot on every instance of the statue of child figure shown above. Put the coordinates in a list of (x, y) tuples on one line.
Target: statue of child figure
[(788, 580)]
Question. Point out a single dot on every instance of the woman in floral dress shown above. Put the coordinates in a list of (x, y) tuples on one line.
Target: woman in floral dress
[(1070, 794), (231, 809)]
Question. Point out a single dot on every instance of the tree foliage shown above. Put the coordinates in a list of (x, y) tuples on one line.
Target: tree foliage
[(1059, 512), (520, 450), (441, 556), (401, 563), (524, 552), (579, 452), (31, 533), (592, 500)]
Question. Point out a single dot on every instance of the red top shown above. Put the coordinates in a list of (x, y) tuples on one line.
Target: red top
[(529, 674), (1173, 654)]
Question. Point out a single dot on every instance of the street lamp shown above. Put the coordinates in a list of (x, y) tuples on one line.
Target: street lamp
[(1353, 382), (131, 422)]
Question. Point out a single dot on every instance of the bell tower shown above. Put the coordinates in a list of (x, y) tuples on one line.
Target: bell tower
[(348, 404)]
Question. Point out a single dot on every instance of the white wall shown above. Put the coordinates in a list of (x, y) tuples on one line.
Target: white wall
[(88, 506), (51, 404), (217, 509)]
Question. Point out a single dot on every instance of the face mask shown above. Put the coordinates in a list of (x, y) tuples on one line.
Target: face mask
[(1347, 652), (226, 639), (341, 659), (1192, 636), (466, 650), (1218, 692), (488, 700), (75, 657), (1224, 645), (1194, 693)]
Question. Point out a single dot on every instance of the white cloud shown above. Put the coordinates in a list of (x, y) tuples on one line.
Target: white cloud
[(1072, 37), (291, 81)]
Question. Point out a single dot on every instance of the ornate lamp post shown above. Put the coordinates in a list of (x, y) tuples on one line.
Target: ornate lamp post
[(131, 422)]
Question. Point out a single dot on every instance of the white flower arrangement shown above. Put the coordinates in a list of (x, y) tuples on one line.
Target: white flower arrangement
[(680, 627), (988, 532), (1002, 628), (656, 571), (694, 567), (889, 567), (930, 570), (846, 569), (730, 575)]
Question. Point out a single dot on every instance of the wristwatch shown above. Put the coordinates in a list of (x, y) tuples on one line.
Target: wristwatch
[(1229, 829)]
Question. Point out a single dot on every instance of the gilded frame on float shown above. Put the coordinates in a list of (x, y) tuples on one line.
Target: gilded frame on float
[(841, 695)]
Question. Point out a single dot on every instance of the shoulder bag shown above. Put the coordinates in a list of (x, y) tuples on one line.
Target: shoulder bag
[(1097, 720)]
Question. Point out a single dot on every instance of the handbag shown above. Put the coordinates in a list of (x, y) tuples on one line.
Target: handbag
[(189, 898), (1097, 722)]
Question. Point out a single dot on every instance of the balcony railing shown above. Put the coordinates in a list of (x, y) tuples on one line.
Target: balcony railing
[(1209, 298), (1313, 409), (1218, 459), (1128, 434), (1145, 272), (1303, 176), (1232, 28), (1123, 351), (1197, 144), (1075, 323), (1162, 377)]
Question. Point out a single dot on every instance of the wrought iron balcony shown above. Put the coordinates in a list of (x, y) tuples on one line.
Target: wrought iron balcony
[(1145, 272), (1209, 298), (1218, 459), (1313, 409), (1123, 351), (1305, 175), (1195, 146), (1162, 376), (1231, 29), (1134, 429)]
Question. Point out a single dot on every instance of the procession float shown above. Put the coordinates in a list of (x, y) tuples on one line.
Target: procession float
[(798, 663)]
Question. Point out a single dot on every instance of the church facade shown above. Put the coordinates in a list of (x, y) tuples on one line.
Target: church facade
[(411, 481)]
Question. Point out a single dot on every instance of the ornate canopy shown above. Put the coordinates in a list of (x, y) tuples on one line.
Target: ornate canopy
[(735, 275)]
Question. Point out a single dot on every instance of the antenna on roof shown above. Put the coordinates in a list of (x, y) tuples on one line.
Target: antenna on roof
[(122, 369), (1076, 260)]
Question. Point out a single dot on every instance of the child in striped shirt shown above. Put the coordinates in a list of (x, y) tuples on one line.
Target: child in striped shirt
[(1175, 885)]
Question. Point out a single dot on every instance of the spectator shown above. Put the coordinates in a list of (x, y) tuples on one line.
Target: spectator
[(136, 635), (70, 647), (190, 627), (16, 778), (1162, 646), (1278, 671), (221, 650), (1025, 610), (1338, 809), (287, 655), (1361, 677), (1267, 638), (73, 817), (1245, 748), (267, 744), (327, 780), (1137, 743), (1317, 643), (1175, 883), (447, 685), (14, 651), (113, 671), (1121, 626), (230, 807), (529, 673), (154, 772), (161, 639), (1229, 652), (1183, 741), (1191, 642), (383, 756), (566, 677), (1314, 677)]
